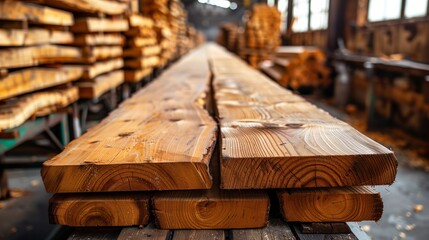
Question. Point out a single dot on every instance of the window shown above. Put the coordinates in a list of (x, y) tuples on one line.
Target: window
[(382, 10), (301, 14), (310, 15), (319, 14), (282, 6), (416, 8)]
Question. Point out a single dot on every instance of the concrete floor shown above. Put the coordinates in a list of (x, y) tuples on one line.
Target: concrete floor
[(25, 217)]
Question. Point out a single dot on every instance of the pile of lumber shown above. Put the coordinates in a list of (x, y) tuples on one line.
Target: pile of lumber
[(162, 153), (196, 38), (32, 58), (298, 68), (98, 33), (228, 36), (261, 33), (178, 18), (142, 51), (158, 11)]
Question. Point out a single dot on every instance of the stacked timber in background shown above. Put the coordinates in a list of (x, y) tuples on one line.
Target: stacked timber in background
[(298, 68), (158, 11), (164, 140), (228, 36), (261, 33), (33, 79), (99, 34), (142, 51), (178, 18)]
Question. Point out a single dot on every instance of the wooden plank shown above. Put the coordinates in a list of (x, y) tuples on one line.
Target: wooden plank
[(136, 20), (98, 39), (103, 52), (302, 236), (276, 229), (142, 52), (348, 204), (142, 63), (199, 234), (20, 11), (32, 79), (149, 233), (211, 209), (156, 140), (15, 112), (274, 139), (33, 36), (94, 234), (100, 85), (95, 25), (99, 210), (35, 55), (141, 41), (98, 68), (324, 227), (86, 6), (136, 75)]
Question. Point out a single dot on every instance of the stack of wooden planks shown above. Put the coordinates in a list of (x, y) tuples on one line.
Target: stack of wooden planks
[(261, 33), (31, 57), (98, 32), (158, 11), (298, 68), (177, 19), (142, 51), (162, 152)]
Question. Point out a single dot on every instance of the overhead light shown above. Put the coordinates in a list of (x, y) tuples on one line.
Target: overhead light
[(220, 3)]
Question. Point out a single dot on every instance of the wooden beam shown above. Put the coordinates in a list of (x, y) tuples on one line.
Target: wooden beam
[(142, 63), (136, 75), (32, 79), (33, 36), (349, 204), (98, 68), (156, 140), (35, 55), (198, 234), (142, 52), (20, 11), (96, 25), (99, 210), (16, 112), (276, 229), (86, 6), (100, 85), (274, 139), (103, 52), (98, 39), (149, 232)]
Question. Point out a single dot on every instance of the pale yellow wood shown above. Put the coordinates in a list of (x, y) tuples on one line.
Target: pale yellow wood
[(142, 63), (92, 71), (87, 6), (142, 51), (15, 112), (94, 25), (35, 55), (159, 139), (99, 39), (33, 36), (20, 11), (273, 139), (32, 79), (100, 84)]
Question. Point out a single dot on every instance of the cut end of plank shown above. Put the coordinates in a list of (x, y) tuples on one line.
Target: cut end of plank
[(350, 204)]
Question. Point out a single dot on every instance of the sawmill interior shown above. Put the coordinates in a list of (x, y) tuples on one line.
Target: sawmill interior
[(214, 119)]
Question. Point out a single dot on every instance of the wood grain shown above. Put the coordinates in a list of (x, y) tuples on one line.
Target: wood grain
[(274, 139), (147, 233), (16, 111), (95, 39), (99, 210), (348, 204), (32, 79), (156, 140)]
